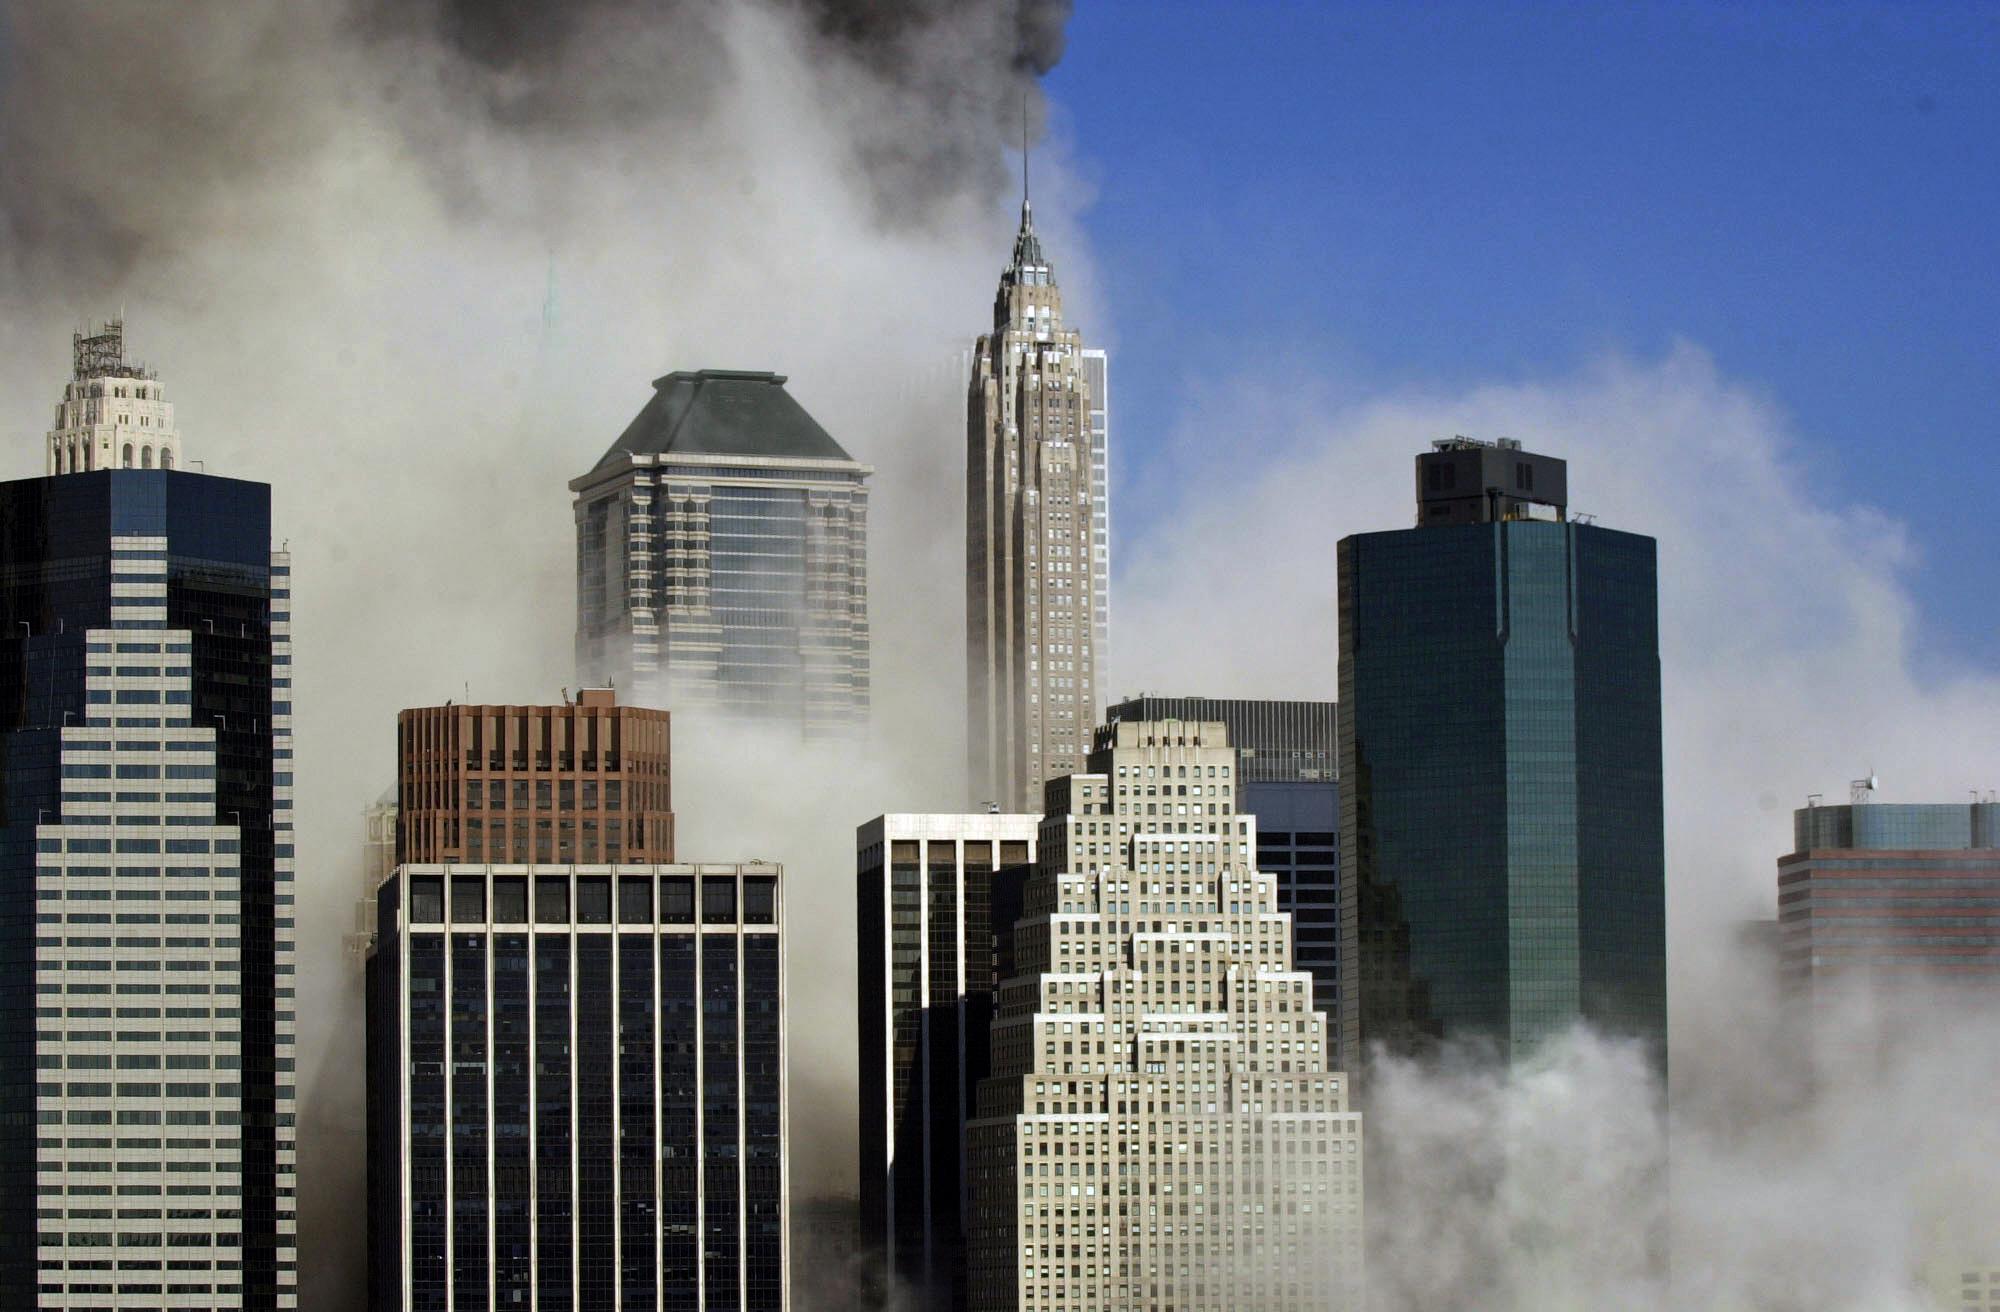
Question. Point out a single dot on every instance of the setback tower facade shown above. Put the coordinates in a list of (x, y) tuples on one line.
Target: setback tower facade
[(1285, 753), (1501, 828), (1161, 1127), (722, 558), (148, 1113), (933, 894), (1033, 494)]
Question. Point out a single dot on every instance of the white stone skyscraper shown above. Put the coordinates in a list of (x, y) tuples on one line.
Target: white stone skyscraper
[(1032, 539), (112, 415), (1161, 1128)]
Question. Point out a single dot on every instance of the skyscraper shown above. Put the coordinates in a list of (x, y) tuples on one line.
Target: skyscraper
[(1285, 752), (148, 1113), (722, 558), (929, 888), (576, 1094), (1881, 893), (1501, 834), (1031, 546), (576, 1088), (1161, 1127)]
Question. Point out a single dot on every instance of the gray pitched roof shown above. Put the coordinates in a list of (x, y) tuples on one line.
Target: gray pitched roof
[(724, 412)]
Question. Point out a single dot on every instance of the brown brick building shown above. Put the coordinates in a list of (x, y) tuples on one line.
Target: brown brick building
[(585, 782)]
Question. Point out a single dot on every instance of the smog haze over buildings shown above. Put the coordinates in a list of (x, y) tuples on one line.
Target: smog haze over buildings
[(413, 265)]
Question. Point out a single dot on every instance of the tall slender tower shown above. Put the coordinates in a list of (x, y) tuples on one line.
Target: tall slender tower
[(1032, 569), (148, 1111)]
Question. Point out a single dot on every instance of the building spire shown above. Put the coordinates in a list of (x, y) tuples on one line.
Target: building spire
[(1027, 211)]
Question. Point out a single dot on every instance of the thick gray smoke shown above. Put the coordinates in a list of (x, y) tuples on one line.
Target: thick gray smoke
[(415, 265)]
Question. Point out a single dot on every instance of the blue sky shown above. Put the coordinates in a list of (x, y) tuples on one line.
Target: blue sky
[(1444, 195)]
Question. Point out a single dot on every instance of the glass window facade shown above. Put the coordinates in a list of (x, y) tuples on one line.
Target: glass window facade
[(635, 1064), (1502, 838)]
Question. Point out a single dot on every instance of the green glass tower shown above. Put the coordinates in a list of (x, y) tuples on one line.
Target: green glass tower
[(1499, 766)]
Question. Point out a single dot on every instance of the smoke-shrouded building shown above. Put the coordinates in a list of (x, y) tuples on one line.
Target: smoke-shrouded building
[(576, 1089), (1502, 863), (933, 895), (1032, 539), (147, 1111), (1877, 893), (722, 558), (1161, 1127)]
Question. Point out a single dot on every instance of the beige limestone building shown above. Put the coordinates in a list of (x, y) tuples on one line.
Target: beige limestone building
[(1033, 567), (113, 415), (1160, 1128)]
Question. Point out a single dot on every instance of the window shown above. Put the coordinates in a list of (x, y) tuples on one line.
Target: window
[(677, 901), (593, 901), (551, 899), (510, 899), (427, 899), (468, 899), (635, 901), (760, 901), (718, 901)]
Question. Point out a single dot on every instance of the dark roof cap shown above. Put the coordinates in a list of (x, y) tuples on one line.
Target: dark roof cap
[(724, 412)]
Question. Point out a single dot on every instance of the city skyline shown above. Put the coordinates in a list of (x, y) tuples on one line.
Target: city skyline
[(404, 269)]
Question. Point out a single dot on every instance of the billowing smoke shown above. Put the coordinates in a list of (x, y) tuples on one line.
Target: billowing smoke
[(415, 264)]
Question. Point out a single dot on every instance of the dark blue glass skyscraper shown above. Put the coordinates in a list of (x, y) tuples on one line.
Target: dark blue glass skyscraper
[(1501, 835), (147, 1014)]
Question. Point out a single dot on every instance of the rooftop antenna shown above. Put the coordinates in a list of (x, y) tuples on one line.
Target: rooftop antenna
[(1863, 790), (1024, 155)]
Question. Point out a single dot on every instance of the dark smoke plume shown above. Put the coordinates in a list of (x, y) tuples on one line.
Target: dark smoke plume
[(413, 264), (129, 130)]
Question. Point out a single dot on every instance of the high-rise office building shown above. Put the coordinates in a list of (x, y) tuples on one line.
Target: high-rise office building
[(1161, 1127), (722, 558), (1285, 752), (928, 890), (1880, 893), (1501, 836), (587, 781), (1031, 543), (577, 1089), (148, 1113)]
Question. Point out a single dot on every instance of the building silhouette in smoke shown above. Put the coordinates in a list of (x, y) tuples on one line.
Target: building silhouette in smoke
[(1501, 795), (722, 558), (575, 1046), (1286, 752), (145, 732), (1036, 560), (935, 894)]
